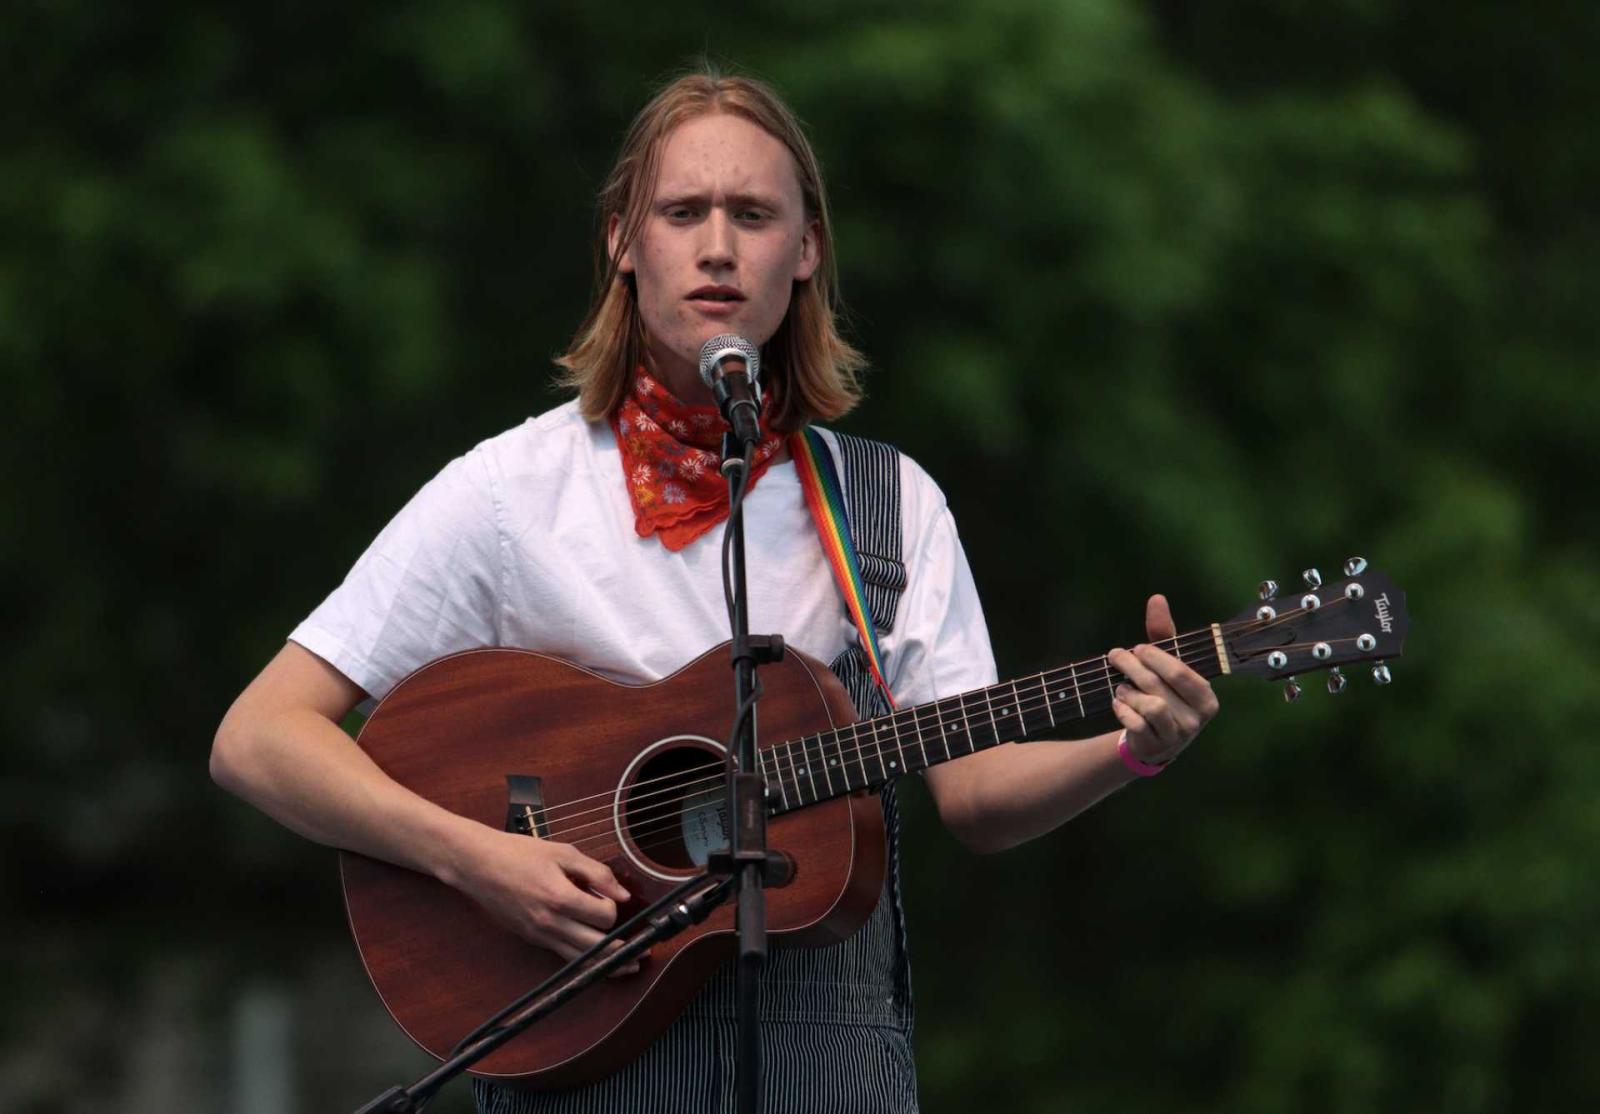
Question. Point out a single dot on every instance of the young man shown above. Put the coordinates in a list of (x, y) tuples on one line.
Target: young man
[(590, 533)]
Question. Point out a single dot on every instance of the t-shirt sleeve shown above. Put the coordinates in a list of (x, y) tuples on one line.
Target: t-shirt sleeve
[(940, 645), (427, 585)]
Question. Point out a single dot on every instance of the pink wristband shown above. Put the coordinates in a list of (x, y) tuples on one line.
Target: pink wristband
[(1133, 762)]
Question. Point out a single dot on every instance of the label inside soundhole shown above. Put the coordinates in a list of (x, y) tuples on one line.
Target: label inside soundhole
[(705, 825), (671, 806)]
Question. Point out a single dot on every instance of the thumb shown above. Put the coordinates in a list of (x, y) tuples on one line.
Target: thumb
[(1158, 619)]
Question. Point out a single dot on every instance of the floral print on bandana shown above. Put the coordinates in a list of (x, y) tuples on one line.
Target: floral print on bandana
[(670, 457)]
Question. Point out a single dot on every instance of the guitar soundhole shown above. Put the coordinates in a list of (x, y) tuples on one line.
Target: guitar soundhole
[(674, 809)]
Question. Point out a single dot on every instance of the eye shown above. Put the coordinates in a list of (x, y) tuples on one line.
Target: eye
[(752, 216), (680, 213)]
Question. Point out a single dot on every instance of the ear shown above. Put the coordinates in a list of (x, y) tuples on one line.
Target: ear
[(810, 252), (613, 237)]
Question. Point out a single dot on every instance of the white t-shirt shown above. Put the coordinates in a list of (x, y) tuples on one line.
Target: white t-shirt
[(528, 541)]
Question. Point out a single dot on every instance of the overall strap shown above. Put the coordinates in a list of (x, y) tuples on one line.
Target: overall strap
[(855, 503)]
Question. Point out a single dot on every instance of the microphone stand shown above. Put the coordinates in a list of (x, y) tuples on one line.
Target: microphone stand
[(687, 903), (748, 858)]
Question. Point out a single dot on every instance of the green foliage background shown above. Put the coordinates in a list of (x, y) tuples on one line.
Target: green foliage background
[(1167, 296)]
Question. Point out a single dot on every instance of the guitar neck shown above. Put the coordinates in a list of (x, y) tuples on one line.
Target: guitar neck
[(867, 754)]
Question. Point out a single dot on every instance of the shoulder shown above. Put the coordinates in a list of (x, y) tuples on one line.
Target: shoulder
[(920, 498), (549, 442)]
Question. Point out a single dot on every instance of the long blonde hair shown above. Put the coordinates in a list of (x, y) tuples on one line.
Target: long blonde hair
[(810, 370)]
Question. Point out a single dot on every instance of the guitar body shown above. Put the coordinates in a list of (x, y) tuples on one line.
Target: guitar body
[(631, 775)]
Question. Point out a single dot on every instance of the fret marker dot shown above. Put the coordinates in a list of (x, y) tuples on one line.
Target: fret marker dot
[(891, 763)]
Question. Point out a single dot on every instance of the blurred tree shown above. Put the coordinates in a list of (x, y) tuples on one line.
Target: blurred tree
[(1217, 291)]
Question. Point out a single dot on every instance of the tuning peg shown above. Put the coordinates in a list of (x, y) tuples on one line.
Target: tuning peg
[(1291, 690), (1313, 579), (1355, 566), (1380, 674), (1268, 590), (1336, 681)]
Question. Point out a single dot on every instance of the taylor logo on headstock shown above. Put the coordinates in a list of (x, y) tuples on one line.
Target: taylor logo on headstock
[(1385, 620)]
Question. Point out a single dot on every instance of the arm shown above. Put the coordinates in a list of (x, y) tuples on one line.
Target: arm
[(1008, 795), (280, 748)]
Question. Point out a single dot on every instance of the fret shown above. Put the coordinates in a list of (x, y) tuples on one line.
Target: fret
[(811, 771), (972, 745), (1022, 722), (1049, 711), (994, 725), (943, 737), (794, 773), (1114, 677), (836, 761), (1023, 712), (850, 757), (899, 749), (922, 744), (822, 758), (1077, 691), (858, 752), (783, 796), (877, 745)]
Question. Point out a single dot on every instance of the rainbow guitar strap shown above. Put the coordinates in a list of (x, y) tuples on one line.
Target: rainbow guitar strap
[(819, 479)]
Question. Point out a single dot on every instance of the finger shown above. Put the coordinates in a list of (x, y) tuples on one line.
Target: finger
[(581, 905), (1158, 716), (1193, 689), (574, 937), (592, 874), (1158, 619), (1132, 665), (1141, 740), (1129, 718)]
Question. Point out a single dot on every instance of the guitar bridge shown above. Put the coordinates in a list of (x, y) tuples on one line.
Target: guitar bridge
[(525, 808)]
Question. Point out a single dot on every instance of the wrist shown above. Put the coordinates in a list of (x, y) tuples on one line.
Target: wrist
[(1134, 763), (455, 847)]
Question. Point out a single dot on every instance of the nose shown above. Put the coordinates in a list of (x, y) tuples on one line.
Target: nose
[(718, 247)]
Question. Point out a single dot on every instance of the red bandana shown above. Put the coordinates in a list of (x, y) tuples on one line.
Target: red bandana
[(670, 455)]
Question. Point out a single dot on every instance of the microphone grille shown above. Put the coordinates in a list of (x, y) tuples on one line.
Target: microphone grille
[(719, 348)]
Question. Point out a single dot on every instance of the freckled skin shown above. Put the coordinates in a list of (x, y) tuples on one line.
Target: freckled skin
[(726, 210)]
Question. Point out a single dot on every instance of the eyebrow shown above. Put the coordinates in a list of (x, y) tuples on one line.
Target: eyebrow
[(765, 201)]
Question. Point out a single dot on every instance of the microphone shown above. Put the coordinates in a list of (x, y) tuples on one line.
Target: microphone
[(731, 366)]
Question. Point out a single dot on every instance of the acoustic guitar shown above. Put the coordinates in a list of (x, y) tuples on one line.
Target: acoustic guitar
[(633, 775)]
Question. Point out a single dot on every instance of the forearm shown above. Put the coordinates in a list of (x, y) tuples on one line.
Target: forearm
[(298, 767), (1003, 797)]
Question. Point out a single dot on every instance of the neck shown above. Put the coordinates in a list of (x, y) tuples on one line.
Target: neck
[(865, 755), (678, 376)]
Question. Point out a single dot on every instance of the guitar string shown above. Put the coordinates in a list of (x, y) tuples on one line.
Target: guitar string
[(666, 823), (1098, 696), (1200, 641), (1204, 647)]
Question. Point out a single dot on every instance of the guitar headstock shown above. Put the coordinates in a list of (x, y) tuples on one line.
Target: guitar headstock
[(1359, 618)]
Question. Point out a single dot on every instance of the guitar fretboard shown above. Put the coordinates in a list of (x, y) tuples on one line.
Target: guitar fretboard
[(867, 754)]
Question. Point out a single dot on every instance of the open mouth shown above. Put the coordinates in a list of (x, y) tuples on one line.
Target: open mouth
[(721, 295)]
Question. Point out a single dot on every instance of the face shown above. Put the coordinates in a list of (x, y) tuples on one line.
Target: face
[(723, 242)]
